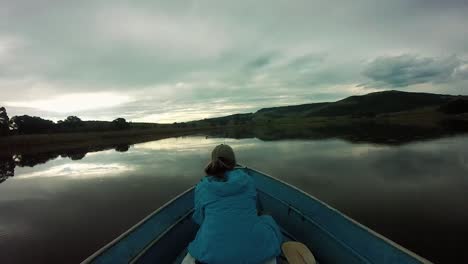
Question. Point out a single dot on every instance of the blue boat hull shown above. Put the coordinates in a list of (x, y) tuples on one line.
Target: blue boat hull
[(163, 236)]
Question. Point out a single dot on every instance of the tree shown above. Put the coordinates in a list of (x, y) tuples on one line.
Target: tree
[(4, 122), (120, 123), (70, 122), (122, 148), (31, 124)]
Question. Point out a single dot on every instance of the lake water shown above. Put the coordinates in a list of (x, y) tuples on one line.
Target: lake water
[(62, 210)]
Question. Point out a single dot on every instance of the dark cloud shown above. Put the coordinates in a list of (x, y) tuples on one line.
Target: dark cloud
[(308, 60), (406, 70), (261, 61)]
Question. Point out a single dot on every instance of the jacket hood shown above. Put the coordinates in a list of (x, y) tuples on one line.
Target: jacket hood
[(211, 189)]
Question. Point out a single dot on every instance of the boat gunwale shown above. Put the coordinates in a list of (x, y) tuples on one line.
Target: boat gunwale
[(157, 239), (134, 227), (396, 245), (333, 236)]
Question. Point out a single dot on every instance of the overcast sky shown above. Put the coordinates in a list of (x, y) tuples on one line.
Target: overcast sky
[(167, 61)]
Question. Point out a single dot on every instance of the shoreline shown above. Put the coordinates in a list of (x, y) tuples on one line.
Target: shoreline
[(39, 143), (405, 127)]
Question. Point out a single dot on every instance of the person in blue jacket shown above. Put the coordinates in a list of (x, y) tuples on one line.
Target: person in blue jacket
[(225, 208)]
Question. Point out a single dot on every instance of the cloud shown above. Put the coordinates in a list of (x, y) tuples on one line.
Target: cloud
[(5, 49), (461, 72), (177, 35), (405, 70), (261, 61), (168, 55)]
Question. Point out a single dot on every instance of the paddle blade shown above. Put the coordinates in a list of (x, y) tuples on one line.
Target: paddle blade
[(297, 253)]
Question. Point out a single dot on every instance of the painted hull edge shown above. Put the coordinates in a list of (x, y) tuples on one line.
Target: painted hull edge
[(352, 222)]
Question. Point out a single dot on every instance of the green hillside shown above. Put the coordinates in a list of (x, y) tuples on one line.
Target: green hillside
[(369, 104), (383, 102), (395, 106), (291, 110)]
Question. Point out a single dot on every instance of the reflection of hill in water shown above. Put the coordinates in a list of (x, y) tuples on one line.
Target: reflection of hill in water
[(9, 163), (365, 132)]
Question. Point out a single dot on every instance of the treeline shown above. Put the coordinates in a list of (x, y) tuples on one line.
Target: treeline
[(25, 124)]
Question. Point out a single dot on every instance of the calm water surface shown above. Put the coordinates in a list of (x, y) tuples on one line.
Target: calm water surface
[(64, 210)]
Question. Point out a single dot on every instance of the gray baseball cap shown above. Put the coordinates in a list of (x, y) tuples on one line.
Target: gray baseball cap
[(225, 152)]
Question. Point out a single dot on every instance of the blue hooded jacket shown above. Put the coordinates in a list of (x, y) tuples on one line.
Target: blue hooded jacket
[(230, 230)]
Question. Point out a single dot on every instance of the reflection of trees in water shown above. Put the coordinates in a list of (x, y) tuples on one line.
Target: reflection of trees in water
[(360, 132), (31, 160), (7, 168), (122, 148), (9, 163), (74, 154)]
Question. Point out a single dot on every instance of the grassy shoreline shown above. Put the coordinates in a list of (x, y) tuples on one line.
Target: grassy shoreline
[(39, 143), (423, 121)]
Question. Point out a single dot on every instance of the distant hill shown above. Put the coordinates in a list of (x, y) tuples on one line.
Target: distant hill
[(369, 104), (302, 109)]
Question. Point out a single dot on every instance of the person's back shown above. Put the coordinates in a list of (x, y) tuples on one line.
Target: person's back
[(230, 230)]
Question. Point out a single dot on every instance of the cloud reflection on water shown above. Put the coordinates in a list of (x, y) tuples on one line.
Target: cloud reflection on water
[(80, 170), (193, 143)]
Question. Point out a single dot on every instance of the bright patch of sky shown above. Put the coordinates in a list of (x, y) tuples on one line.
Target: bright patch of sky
[(70, 103)]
